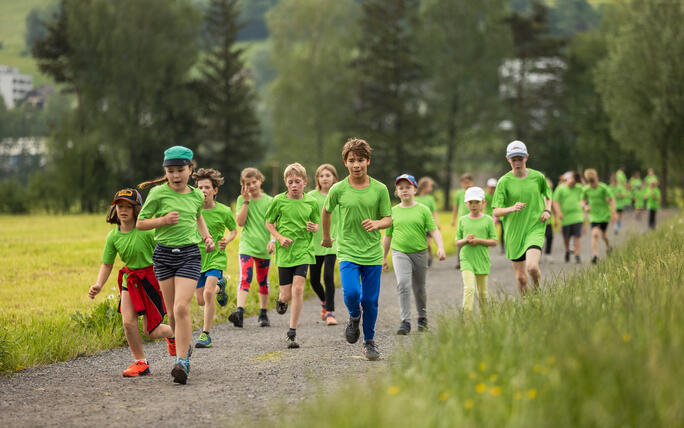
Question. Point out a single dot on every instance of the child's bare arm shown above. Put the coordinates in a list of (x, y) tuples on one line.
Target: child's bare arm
[(284, 241), (437, 236), (485, 242), (102, 276), (153, 223), (386, 243), (204, 233), (326, 221)]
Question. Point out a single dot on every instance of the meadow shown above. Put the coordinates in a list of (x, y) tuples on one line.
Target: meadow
[(601, 347), (49, 263)]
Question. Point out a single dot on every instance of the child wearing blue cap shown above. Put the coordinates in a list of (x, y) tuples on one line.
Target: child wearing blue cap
[(174, 210), (411, 221)]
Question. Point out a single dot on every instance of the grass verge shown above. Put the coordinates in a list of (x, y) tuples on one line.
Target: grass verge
[(602, 347)]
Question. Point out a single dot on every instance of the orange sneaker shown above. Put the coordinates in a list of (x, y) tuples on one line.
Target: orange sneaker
[(171, 342), (323, 312), (138, 368), (330, 319)]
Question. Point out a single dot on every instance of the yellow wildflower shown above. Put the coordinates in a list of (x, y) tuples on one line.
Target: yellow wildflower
[(626, 337), (483, 366), (469, 404), (393, 390), (480, 388), (495, 391), (444, 396), (531, 394)]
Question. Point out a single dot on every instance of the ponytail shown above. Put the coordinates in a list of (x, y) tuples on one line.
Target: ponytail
[(156, 181)]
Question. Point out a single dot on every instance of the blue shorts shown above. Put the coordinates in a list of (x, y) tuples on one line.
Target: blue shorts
[(211, 272)]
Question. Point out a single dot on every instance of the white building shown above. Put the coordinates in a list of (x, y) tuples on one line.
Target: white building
[(13, 85)]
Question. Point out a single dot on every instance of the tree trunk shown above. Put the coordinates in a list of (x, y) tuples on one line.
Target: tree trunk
[(663, 176), (451, 149)]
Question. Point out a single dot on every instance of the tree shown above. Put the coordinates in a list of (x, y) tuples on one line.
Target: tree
[(390, 105), (312, 47), (230, 128), (641, 81), (462, 62)]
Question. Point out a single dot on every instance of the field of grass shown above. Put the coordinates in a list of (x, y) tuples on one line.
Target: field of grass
[(600, 348), (49, 262)]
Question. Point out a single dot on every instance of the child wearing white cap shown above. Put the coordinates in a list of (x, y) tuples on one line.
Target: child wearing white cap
[(475, 233), (523, 200)]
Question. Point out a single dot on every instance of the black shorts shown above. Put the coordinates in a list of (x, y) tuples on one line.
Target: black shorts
[(572, 230), (620, 210), (602, 225), (287, 274), (184, 261), (524, 256)]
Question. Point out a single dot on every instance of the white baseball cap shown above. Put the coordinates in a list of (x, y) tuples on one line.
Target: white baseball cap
[(474, 194), (491, 182), (516, 148)]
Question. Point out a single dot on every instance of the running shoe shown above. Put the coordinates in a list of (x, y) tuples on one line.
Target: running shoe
[(370, 351), (222, 296), (352, 332), (567, 256), (281, 307), (422, 324), (171, 343), (138, 368), (291, 343), (330, 319), (180, 371), (263, 320), (323, 312), (404, 328), (578, 260), (594, 260), (236, 318), (204, 341), (458, 266)]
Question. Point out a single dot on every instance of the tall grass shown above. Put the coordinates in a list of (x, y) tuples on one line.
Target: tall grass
[(602, 347)]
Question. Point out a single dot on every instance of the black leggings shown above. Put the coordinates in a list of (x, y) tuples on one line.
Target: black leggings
[(327, 296), (652, 218), (548, 233)]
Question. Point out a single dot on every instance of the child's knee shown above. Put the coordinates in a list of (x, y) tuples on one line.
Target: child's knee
[(181, 309), (130, 324)]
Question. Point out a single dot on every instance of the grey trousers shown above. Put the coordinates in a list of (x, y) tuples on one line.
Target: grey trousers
[(410, 269)]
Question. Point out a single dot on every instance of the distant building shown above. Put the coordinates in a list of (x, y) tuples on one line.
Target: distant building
[(38, 96), (13, 85)]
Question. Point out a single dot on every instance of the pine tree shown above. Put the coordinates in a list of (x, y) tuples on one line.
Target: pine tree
[(231, 129)]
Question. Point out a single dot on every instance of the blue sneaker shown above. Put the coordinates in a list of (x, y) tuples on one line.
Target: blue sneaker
[(180, 371), (222, 296), (204, 341)]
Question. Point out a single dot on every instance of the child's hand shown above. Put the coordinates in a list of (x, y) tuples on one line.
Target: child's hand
[(94, 290), (284, 241), (545, 216), (469, 238), (519, 206), (223, 243), (327, 243), (270, 247), (385, 265), (244, 193), (369, 225), (587, 208), (171, 218), (209, 244), (312, 227), (441, 254)]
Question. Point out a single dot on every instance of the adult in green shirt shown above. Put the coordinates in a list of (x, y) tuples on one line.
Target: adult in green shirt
[(567, 206), (292, 219), (218, 218), (326, 176), (523, 200), (365, 209), (652, 195), (255, 247), (598, 201), (411, 222), (426, 185)]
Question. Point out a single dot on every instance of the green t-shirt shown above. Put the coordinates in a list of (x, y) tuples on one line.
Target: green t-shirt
[(618, 194), (135, 248), (570, 199), (410, 227), (652, 198), (162, 200), (599, 202), (217, 219), (475, 258), (650, 179), (621, 177), (428, 201), (320, 250), (638, 195), (459, 200), (489, 209), (356, 205), (522, 229), (254, 237), (636, 184), (290, 217)]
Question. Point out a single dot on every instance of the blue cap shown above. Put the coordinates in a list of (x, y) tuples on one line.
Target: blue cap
[(177, 156), (411, 179)]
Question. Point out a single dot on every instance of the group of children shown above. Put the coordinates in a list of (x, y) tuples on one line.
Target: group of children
[(173, 245)]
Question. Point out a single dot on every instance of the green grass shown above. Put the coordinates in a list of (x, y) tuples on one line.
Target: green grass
[(602, 348), (49, 263)]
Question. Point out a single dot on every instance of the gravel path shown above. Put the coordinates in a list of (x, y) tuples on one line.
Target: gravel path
[(249, 374)]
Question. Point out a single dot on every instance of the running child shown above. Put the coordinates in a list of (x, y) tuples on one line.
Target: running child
[(138, 288), (292, 219), (255, 247), (218, 218), (426, 185), (460, 208), (567, 206), (411, 221), (365, 209), (326, 176), (174, 210), (523, 199), (619, 192), (475, 233), (637, 194), (652, 196), (598, 201)]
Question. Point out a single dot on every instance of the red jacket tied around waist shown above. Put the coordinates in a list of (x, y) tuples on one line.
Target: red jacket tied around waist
[(145, 294)]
